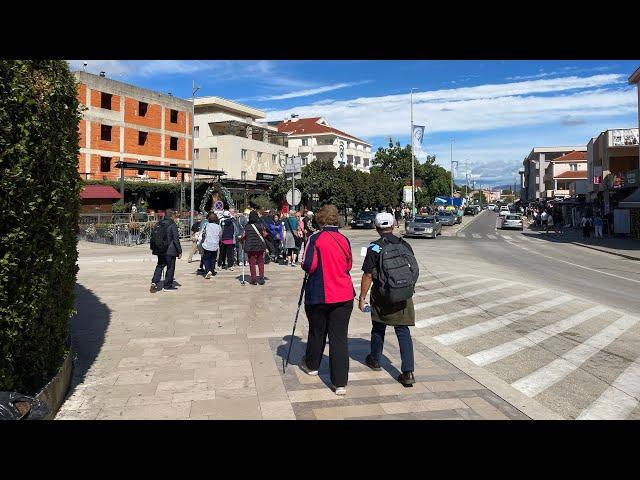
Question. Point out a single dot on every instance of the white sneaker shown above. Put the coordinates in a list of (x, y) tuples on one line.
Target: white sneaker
[(303, 366), (231, 269), (341, 390), (208, 275)]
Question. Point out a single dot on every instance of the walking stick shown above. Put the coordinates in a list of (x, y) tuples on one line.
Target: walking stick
[(295, 322), (243, 262)]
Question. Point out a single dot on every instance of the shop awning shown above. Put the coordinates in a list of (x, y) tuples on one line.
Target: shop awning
[(632, 201), (99, 192)]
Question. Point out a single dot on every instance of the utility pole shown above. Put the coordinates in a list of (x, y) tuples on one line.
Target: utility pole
[(194, 89), (466, 174), (413, 173), (451, 171)]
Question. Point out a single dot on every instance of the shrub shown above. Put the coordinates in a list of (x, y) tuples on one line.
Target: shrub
[(40, 185)]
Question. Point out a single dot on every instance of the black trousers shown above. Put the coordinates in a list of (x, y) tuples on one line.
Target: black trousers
[(226, 255), (168, 261), (330, 319)]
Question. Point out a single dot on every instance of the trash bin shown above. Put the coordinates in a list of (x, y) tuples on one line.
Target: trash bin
[(15, 406)]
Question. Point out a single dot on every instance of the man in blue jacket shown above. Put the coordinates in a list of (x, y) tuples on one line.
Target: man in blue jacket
[(168, 258)]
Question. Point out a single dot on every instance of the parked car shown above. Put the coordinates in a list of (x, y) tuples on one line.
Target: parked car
[(364, 220), (491, 207), (503, 208), (447, 218), (470, 211), (512, 221), (423, 226)]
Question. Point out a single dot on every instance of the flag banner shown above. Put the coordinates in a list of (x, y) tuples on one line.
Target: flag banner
[(418, 134)]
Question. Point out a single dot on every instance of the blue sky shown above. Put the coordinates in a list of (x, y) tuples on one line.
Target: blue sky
[(495, 111)]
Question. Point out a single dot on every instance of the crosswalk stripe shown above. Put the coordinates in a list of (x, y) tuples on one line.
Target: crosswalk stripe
[(492, 237), (451, 287), (550, 374), (476, 235), (491, 355), (461, 235), (478, 329), (427, 322), (619, 400), (462, 296), (448, 277)]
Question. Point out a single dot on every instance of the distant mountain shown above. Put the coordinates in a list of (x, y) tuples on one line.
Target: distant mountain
[(505, 187)]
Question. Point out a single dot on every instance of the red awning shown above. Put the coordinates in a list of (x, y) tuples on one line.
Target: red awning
[(100, 192)]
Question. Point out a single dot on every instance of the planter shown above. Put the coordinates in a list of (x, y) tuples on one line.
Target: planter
[(54, 392)]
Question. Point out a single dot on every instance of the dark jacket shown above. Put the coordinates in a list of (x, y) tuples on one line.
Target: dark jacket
[(227, 229), (253, 241), (175, 248)]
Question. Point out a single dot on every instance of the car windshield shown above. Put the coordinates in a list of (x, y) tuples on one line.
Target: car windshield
[(423, 220), (513, 217), (365, 216), (445, 214)]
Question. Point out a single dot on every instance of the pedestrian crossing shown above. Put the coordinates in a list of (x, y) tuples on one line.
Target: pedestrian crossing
[(498, 235), (573, 355)]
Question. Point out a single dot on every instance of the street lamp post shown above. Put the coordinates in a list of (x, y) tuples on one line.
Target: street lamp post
[(451, 159), (194, 89), (413, 172)]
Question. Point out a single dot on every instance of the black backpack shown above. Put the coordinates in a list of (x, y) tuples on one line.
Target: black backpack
[(398, 272), (160, 238)]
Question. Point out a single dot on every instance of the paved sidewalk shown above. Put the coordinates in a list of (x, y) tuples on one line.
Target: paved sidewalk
[(213, 350)]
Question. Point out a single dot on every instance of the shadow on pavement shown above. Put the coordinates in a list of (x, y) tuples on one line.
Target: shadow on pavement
[(88, 327)]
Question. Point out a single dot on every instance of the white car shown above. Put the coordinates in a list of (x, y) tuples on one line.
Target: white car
[(511, 221), (491, 207)]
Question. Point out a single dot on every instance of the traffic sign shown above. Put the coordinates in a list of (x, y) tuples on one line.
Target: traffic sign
[(293, 165), (294, 196), (219, 205)]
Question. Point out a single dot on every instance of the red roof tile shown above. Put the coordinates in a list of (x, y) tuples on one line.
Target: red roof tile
[(99, 191), (310, 126), (572, 157), (578, 175)]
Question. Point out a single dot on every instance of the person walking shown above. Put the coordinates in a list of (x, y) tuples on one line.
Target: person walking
[(597, 224), (550, 222), (253, 242), (586, 226), (398, 216), (195, 229), (544, 216), (211, 233), (300, 234), (225, 259), (558, 220), (291, 240), (386, 310), (328, 298), (276, 233), (309, 229), (165, 244)]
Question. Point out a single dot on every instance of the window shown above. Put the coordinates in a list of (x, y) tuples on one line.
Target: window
[(243, 154), (196, 131), (173, 174), (196, 154), (365, 162), (573, 167), (350, 159), (142, 138), (259, 155), (173, 117), (105, 133), (142, 109), (141, 172), (213, 153), (243, 175), (273, 159), (173, 143), (105, 164), (304, 160), (105, 100), (305, 142)]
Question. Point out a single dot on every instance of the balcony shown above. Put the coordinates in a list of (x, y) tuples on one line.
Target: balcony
[(557, 193)]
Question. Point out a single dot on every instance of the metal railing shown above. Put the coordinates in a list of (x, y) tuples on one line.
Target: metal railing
[(123, 229)]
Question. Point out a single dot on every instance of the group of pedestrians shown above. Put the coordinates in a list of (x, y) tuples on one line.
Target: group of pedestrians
[(546, 218), (329, 296), (588, 223)]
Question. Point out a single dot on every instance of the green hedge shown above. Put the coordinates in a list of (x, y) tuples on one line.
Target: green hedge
[(39, 204)]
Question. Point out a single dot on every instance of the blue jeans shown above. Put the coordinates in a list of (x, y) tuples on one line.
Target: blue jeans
[(404, 341)]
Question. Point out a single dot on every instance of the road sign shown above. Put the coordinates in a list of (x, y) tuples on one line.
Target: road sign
[(294, 196), (218, 205), (407, 194), (293, 165), (296, 176)]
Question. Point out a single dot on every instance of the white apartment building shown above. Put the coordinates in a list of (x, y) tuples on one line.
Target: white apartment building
[(314, 139), (566, 176), (228, 137), (535, 165)]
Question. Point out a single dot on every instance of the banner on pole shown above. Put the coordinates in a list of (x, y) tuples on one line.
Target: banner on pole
[(418, 135), (407, 194)]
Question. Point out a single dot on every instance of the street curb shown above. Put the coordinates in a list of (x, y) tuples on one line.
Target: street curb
[(607, 251), (530, 407)]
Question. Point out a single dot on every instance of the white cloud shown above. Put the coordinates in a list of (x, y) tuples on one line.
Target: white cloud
[(310, 91), (112, 67)]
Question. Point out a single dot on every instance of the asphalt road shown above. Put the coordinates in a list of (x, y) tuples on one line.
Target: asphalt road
[(557, 322)]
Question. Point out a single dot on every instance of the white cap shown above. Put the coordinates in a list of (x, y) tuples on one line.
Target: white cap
[(384, 220)]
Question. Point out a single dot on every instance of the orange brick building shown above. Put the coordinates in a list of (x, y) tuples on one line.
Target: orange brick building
[(127, 123)]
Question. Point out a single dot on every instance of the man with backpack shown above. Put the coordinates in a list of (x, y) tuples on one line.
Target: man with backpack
[(392, 268), (165, 244)]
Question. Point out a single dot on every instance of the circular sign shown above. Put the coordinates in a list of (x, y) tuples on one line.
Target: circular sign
[(294, 196), (341, 147), (219, 205)]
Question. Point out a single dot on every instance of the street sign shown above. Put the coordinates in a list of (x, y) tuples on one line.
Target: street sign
[(293, 165), (407, 194), (296, 176), (294, 196), (218, 205)]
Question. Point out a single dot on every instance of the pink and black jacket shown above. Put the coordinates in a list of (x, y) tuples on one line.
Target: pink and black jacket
[(328, 260)]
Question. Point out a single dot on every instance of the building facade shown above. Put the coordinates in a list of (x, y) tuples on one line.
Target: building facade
[(535, 165), (228, 137), (566, 176), (121, 122), (314, 139)]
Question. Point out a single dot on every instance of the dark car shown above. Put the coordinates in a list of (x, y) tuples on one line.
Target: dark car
[(364, 220), (470, 211), (447, 218), (423, 226)]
